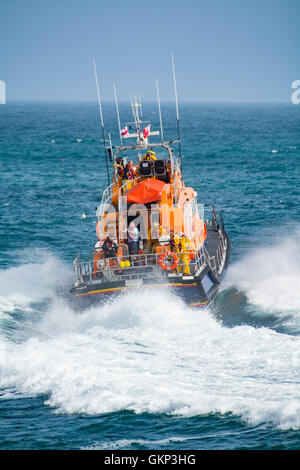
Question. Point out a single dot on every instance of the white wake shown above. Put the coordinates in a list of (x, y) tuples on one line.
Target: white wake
[(151, 353)]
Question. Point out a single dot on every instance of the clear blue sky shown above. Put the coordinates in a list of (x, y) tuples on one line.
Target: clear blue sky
[(224, 50)]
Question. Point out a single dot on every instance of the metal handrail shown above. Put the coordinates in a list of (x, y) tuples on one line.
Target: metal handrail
[(143, 264), (124, 188), (108, 194), (146, 265), (106, 197)]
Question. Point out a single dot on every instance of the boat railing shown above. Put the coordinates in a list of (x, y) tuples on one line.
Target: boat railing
[(211, 261), (146, 265), (133, 267), (106, 199), (217, 261), (107, 195), (128, 185), (221, 252), (78, 270)]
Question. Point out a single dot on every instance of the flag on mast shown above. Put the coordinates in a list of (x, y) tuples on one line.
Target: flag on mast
[(146, 132), (124, 131)]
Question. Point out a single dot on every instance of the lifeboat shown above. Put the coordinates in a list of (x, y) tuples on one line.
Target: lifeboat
[(150, 231)]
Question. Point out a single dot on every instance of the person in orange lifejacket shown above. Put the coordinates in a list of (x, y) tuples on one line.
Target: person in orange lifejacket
[(120, 167), (110, 248), (128, 171)]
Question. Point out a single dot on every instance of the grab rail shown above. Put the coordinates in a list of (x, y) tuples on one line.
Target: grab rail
[(146, 265), (106, 197), (141, 265)]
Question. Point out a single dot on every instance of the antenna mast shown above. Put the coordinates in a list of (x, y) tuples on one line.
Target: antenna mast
[(158, 99), (140, 100), (101, 119), (118, 115), (133, 112), (177, 112)]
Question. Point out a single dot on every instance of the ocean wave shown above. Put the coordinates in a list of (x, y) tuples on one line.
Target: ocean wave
[(125, 444), (268, 278), (148, 354), (30, 282)]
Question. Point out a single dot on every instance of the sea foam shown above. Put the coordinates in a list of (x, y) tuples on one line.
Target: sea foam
[(270, 277), (150, 353)]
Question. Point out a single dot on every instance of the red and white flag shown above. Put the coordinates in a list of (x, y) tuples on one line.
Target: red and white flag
[(124, 131), (146, 132)]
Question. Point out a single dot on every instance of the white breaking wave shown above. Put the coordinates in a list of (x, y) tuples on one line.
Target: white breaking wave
[(22, 285), (270, 276), (149, 353), (128, 443)]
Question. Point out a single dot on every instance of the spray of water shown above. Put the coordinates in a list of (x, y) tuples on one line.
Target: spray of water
[(151, 353), (269, 277)]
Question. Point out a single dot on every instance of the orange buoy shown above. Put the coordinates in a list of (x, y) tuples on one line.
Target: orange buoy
[(168, 261)]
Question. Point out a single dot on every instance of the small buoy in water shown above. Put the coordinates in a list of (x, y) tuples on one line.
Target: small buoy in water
[(79, 140), (52, 141), (83, 216)]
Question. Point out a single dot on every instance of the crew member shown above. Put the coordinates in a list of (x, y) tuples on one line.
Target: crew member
[(128, 171), (153, 235), (110, 248), (119, 165), (133, 239), (175, 244), (150, 155), (185, 256)]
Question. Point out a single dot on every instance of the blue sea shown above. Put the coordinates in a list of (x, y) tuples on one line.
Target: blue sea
[(147, 372)]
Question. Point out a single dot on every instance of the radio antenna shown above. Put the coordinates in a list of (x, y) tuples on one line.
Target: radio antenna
[(133, 112), (140, 100), (101, 119), (177, 112), (160, 120), (118, 115)]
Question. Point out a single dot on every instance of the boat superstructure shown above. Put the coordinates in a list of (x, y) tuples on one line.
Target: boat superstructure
[(151, 232)]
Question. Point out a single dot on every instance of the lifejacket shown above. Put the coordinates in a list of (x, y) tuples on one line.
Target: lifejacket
[(191, 248), (110, 248), (128, 173), (149, 156), (120, 167), (120, 171)]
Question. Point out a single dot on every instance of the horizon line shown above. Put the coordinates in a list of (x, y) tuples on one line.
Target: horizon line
[(67, 101)]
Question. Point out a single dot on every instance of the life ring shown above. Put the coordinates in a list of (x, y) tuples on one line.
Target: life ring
[(100, 264), (168, 261)]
